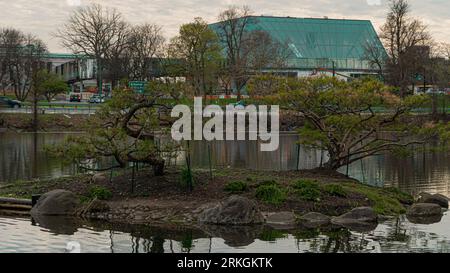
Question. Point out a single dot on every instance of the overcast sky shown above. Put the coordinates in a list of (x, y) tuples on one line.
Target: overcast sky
[(43, 17)]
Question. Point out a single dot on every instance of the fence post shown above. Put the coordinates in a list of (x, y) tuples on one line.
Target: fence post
[(210, 164)]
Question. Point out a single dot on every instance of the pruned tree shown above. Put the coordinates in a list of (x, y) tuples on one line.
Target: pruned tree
[(402, 35), (199, 56), (127, 129), (96, 32), (340, 118)]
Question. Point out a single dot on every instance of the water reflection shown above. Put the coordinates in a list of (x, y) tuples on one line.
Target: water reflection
[(52, 235), (22, 157)]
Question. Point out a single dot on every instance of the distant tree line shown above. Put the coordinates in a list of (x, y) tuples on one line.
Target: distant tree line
[(140, 52), (413, 57)]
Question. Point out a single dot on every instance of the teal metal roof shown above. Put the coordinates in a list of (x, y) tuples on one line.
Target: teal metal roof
[(318, 42), (63, 56)]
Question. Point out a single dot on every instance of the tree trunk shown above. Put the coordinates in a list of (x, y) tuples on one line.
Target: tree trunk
[(35, 112), (158, 169), (434, 107)]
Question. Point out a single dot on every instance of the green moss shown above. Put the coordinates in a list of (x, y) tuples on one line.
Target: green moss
[(335, 190), (271, 194), (236, 187), (403, 197), (383, 202), (308, 190)]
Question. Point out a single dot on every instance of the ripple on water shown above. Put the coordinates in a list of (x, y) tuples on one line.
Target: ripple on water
[(22, 235)]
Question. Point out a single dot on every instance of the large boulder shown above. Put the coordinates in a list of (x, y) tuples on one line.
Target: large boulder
[(56, 202), (422, 196), (283, 220), (438, 199), (236, 210), (356, 216), (314, 220), (424, 220), (424, 210)]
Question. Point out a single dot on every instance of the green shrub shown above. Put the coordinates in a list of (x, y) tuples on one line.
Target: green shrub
[(335, 190), (100, 193), (308, 190), (382, 202), (236, 187), (187, 178), (271, 194)]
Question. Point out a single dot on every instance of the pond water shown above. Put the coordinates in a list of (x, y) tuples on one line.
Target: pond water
[(22, 157), (57, 235)]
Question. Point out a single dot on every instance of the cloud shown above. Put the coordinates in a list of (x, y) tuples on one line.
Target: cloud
[(43, 17)]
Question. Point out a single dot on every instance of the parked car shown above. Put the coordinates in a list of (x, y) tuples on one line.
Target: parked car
[(97, 99), (75, 98), (7, 102), (434, 91)]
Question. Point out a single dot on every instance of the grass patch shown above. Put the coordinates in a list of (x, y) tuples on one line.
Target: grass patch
[(383, 201), (271, 194), (236, 187), (335, 190), (100, 193), (269, 183), (25, 189), (403, 197), (308, 190)]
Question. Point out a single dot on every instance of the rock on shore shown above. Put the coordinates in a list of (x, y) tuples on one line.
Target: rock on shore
[(56, 202), (438, 199), (359, 219), (235, 210), (315, 220)]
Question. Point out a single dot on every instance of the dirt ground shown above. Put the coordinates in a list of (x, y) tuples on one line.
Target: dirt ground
[(169, 192)]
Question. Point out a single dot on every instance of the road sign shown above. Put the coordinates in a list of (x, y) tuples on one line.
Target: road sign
[(138, 86)]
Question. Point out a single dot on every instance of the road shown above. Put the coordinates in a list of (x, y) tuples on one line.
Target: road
[(57, 107)]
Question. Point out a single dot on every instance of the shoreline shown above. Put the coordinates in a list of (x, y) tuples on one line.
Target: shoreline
[(164, 200)]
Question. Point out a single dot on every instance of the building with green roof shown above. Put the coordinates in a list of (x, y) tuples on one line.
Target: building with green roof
[(320, 45)]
